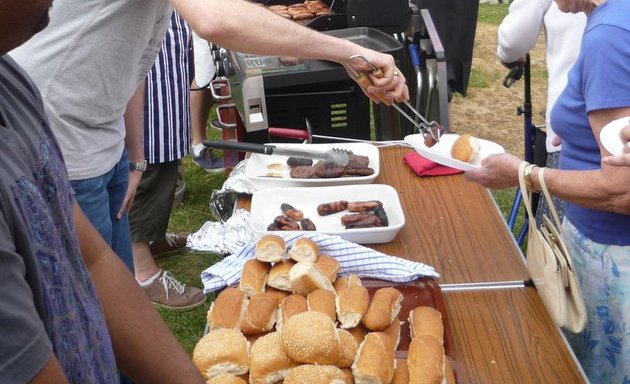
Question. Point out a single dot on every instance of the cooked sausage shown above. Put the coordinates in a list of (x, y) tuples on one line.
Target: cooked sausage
[(364, 206), (291, 212), (332, 207), (307, 225)]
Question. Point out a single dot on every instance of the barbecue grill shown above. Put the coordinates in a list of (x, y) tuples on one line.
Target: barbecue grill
[(282, 92)]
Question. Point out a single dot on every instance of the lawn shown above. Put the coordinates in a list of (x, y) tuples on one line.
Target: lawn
[(188, 326)]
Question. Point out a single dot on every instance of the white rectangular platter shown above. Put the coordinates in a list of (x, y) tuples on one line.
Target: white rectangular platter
[(266, 203), (260, 166)]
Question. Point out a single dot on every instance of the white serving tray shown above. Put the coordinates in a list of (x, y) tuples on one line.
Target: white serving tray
[(260, 166), (266, 203), (441, 151)]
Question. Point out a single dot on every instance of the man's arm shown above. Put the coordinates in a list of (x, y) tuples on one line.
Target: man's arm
[(134, 143), (222, 21), (519, 30), (145, 349)]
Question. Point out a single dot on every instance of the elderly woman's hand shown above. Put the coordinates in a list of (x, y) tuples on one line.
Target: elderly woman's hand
[(496, 171)]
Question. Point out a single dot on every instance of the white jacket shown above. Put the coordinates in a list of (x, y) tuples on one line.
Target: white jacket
[(519, 31)]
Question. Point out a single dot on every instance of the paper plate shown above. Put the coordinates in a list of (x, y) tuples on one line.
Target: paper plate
[(609, 135), (441, 151)]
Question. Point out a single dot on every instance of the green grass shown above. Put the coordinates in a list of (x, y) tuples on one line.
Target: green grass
[(188, 326)]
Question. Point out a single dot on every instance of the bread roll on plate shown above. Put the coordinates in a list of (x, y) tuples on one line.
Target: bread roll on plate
[(289, 306), (222, 350), (304, 249), (465, 148), (426, 320), (226, 378), (268, 362), (322, 300), (228, 309), (270, 249), (315, 374), (261, 314), (384, 308), (254, 277), (279, 275), (358, 332), (311, 338), (425, 360), (374, 362), (351, 305), (305, 278)]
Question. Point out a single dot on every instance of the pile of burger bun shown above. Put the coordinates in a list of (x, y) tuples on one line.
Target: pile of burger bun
[(292, 320)]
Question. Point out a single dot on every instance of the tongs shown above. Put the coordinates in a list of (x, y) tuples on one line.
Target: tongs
[(430, 130), (337, 156)]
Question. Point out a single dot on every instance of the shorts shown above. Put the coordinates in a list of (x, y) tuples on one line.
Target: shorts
[(153, 202)]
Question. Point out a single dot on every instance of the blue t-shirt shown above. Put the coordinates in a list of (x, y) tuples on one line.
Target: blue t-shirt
[(48, 303), (600, 79)]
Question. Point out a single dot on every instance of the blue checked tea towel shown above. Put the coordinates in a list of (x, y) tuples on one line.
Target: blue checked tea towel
[(353, 259)]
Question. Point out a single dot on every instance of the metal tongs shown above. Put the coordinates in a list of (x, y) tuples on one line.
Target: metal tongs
[(430, 130), (336, 156)]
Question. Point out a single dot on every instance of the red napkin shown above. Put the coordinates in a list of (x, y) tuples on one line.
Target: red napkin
[(425, 167)]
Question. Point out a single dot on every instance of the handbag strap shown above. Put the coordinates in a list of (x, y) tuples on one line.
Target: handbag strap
[(551, 206), (525, 193)]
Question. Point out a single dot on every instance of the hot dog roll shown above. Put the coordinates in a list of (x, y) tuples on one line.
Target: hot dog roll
[(228, 309), (279, 275), (401, 373), (304, 249), (393, 331), (358, 332), (261, 314), (222, 350), (322, 300), (425, 360), (383, 309), (305, 278), (270, 249), (311, 338), (289, 306), (347, 281), (374, 362), (426, 320), (254, 277), (328, 266), (349, 347), (351, 306), (269, 363)]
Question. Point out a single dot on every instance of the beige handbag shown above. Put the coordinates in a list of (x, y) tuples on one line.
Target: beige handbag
[(550, 265)]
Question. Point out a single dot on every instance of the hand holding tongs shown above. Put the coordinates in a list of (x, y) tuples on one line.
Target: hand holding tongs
[(431, 131)]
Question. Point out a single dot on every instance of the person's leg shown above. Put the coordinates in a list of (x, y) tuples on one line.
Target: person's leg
[(200, 104), (100, 199), (148, 219)]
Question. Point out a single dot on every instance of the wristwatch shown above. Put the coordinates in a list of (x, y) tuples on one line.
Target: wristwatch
[(139, 166)]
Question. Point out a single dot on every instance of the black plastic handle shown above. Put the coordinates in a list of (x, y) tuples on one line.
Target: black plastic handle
[(240, 146)]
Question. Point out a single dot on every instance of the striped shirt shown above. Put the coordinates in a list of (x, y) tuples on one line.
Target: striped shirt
[(167, 97)]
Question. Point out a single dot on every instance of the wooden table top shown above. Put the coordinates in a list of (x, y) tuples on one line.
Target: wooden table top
[(506, 336)]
